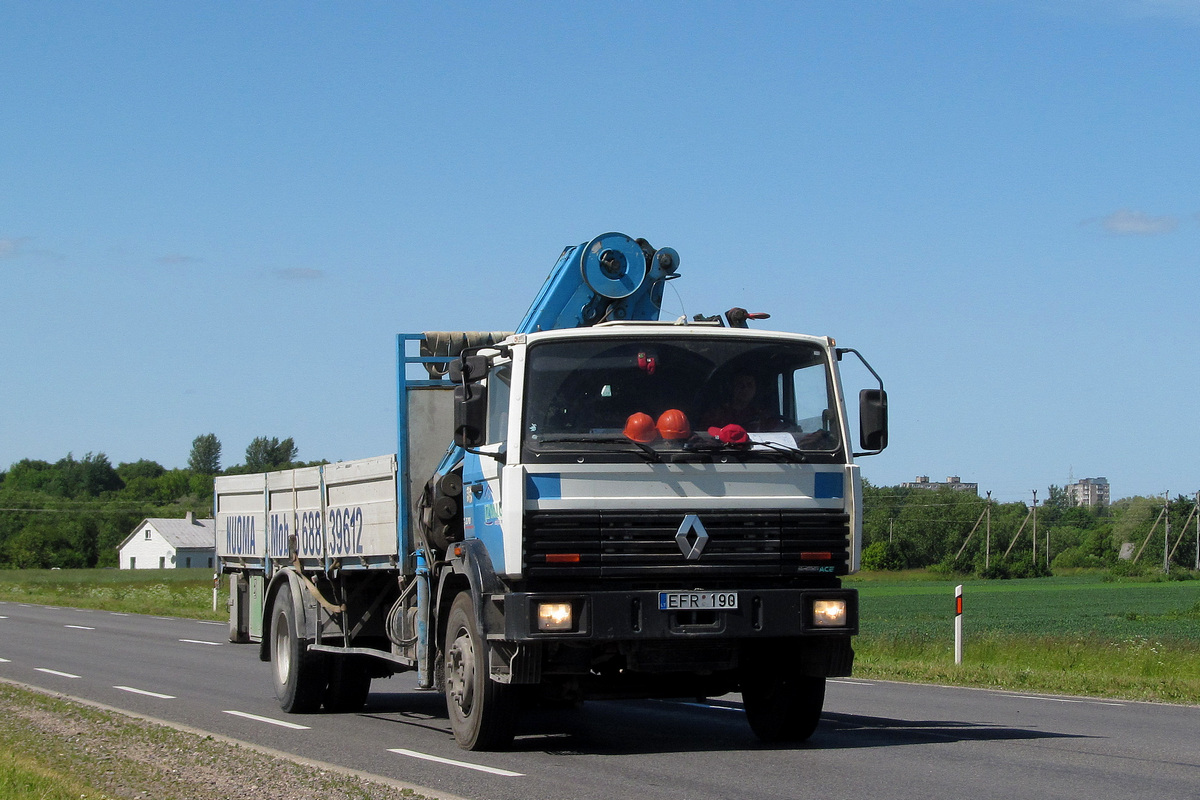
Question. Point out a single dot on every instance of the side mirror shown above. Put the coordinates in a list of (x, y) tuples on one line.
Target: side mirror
[(872, 419), (468, 369), (470, 414)]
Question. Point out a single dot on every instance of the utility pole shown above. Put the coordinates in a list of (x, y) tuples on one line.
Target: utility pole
[(1167, 534), (1198, 531), (987, 552), (1035, 527)]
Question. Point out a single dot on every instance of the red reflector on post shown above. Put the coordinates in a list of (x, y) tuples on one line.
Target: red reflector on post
[(562, 558), (813, 556)]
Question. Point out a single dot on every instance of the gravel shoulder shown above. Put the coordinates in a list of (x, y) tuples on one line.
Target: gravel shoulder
[(122, 756)]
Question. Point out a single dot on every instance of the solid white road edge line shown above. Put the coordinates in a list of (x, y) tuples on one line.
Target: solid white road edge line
[(1056, 699), (201, 641), (478, 767), (56, 672), (143, 691), (269, 721), (851, 683), (4, 661)]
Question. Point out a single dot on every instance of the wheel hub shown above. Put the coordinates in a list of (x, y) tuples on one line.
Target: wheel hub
[(460, 673)]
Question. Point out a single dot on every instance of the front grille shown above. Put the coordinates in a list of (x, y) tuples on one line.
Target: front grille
[(623, 544)]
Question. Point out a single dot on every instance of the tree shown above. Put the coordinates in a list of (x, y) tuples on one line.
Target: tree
[(141, 468), (206, 454), (265, 454)]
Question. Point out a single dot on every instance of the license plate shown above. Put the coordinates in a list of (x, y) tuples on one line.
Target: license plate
[(671, 601)]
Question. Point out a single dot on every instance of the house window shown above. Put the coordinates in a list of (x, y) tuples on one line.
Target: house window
[(147, 534), (162, 562), (210, 562), (188, 561), (133, 562)]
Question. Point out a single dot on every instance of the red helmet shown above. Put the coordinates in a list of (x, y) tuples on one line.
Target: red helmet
[(673, 424), (640, 428), (730, 434)]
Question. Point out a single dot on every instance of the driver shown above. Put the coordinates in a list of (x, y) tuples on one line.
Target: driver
[(743, 407)]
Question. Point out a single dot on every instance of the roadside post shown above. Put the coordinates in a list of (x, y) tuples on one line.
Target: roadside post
[(958, 633), (216, 583)]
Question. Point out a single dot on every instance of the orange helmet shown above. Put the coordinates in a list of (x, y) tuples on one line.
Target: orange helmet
[(673, 424), (640, 428)]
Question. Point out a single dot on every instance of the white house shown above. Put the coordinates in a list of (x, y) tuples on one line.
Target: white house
[(170, 544)]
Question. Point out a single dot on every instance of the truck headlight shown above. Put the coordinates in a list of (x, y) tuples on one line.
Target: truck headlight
[(829, 613), (554, 617)]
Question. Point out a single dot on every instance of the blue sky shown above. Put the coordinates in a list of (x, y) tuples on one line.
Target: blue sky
[(214, 217)]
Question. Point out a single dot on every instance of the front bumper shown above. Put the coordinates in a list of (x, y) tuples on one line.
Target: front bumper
[(635, 616)]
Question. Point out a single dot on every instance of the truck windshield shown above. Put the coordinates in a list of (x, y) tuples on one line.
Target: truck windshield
[(649, 397)]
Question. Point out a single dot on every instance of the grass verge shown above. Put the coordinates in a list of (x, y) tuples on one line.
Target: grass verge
[(165, 593), (52, 748)]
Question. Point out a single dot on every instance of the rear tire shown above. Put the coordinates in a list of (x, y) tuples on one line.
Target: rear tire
[(482, 712), (300, 676), (783, 708)]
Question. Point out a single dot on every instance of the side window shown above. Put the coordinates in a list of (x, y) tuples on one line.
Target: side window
[(810, 393), (499, 380)]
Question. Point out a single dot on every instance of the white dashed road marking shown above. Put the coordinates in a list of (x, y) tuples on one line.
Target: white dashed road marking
[(79, 627), (55, 672), (269, 721), (147, 693), (478, 767), (201, 641)]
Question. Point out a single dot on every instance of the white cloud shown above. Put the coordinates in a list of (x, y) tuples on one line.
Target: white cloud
[(175, 258), (1188, 10), (299, 274), (11, 248), (1119, 11), (1138, 223)]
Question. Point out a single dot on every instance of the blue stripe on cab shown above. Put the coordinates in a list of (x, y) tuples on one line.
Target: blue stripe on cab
[(547, 486), (827, 485)]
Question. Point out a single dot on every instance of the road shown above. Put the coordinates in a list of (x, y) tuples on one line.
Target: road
[(877, 739)]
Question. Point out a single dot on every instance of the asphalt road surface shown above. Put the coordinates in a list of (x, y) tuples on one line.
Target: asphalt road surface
[(876, 740)]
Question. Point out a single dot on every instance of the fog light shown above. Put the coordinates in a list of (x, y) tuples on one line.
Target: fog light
[(829, 613), (554, 616)]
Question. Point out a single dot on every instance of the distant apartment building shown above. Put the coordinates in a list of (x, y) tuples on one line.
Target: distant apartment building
[(953, 482), (1088, 492)]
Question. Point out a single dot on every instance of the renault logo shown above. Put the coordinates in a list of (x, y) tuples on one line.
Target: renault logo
[(691, 537)]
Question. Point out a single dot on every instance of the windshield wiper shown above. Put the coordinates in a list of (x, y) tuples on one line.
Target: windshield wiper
[(715, 445), (783, 448), (585, 438)]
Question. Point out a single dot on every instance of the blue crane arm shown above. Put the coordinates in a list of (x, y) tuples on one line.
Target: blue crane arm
[(610, 278)]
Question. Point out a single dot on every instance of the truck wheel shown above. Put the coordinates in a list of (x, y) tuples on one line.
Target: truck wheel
[(300, 676), (349, 685), (783, 708), (482, 712)]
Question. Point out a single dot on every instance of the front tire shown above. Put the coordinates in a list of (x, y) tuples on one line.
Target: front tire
[(783, 708), (482, 712), (299, 676), (349, 685)]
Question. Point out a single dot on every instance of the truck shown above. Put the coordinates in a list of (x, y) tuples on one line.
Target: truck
[(596, 505)]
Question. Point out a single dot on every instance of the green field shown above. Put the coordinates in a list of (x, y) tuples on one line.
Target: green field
[(1081, 634), (1077, 634)]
